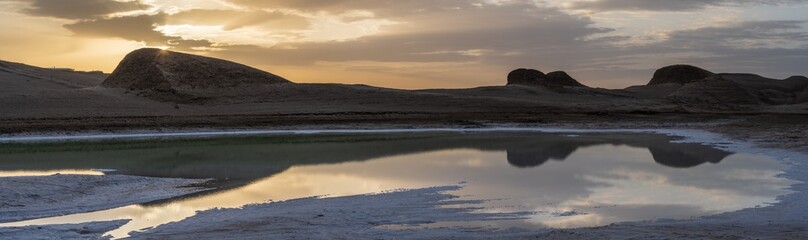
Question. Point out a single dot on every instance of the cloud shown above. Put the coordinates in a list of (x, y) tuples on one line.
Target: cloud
[(775, 48), (81, 9), (139, 28), (456, 36), (235, 19), (744, 35), (450, 35), (454, 43), (136, 28), (667, 5), (190, 45), (462, 39), (382, 7)]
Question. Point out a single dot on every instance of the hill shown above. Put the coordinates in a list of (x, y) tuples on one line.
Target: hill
[(152, 86), (167, 74), (696, 87)]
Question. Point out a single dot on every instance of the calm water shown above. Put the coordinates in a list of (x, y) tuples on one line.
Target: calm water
[(567, 180)]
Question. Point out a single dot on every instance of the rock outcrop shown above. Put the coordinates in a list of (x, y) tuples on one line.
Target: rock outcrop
[(171, 72), (692, 85), (532, 77), (679, 74), (525, 76), (561, 78)]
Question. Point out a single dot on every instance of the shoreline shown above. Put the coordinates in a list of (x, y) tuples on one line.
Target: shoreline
[(26, 198), (206, 133), (782, 131), (89, 230)]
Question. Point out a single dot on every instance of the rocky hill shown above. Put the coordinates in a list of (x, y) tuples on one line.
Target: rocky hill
[(532, 77), (158, 72), (694, 86), (679, 74)]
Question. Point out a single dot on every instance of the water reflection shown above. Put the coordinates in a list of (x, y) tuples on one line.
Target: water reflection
[(255, 158), (587, 180), (677, 155)]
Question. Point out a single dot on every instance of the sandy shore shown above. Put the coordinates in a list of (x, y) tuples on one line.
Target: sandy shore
[(787, 131), (351, 217), (92, 230), (24, 198)]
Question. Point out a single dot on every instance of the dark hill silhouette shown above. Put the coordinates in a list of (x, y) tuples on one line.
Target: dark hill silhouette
[(561, 78), (525, 76), (679, 74), (164, 71), (532, 77), (177, 86), (696, 87)]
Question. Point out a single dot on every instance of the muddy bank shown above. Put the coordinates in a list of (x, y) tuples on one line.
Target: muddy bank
[(683, 230), (26, 198), (788, 131), (351, 217), (92, 230)]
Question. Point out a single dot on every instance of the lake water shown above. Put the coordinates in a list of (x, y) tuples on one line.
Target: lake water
[(589, 179)]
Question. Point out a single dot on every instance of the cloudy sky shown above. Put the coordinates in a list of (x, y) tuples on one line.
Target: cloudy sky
[(420, 43)]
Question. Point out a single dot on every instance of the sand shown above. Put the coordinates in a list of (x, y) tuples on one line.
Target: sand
[(26, 198), (352, 217), (92, 230)]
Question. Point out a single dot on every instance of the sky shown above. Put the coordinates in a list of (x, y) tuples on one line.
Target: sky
[(417, 44)]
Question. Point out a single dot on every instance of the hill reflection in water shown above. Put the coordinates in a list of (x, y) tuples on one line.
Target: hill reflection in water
[(259, 157)]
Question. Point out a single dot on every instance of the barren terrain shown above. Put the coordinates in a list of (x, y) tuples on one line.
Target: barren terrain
[(172, 92)]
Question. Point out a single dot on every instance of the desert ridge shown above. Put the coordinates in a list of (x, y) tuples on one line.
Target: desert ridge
[(154, 82)]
